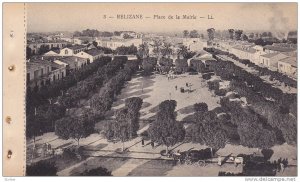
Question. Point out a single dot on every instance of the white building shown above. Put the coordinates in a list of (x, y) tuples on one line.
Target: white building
[(71, 51), (115, 43), (270, 60), (91, 55), (288, 66)]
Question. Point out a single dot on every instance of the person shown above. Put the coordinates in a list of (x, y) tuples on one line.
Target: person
[(186, 84), (176, 87), (152, 144), (219, 160), (143, 142), (282, 167)]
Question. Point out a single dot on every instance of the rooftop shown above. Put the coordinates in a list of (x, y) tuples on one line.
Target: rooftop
[(279, 49), (270, 55), (71, 59), (290, 60), (76, 47), (94, 52), (244, 48)]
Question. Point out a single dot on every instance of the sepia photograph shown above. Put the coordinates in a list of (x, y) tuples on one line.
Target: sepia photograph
[(161, 89)]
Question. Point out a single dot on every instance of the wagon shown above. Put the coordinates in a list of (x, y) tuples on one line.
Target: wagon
[(193, 157)]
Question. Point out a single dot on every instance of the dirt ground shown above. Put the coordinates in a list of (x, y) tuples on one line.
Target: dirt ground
[(145, 160)]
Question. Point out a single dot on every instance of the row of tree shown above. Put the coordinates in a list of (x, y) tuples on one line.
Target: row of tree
[(258, 94), (126, 124), (192, 34), (77, 127), (36, 97)]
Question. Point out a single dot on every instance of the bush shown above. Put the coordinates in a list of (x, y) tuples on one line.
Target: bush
[(206, 76), (41, 168), (99, 171), (220, 92), (213, 85), (201, 107)]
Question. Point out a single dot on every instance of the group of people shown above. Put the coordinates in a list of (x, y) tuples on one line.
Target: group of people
[(281, 164), (188, 85)]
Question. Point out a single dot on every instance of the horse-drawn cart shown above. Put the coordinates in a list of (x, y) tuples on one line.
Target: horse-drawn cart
[(193, 157)]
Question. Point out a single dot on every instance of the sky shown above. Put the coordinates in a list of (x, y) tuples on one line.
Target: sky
[(48, 17)]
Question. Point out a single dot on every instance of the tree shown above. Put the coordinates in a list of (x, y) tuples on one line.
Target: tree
[(117, 33), (209, 133), (244, 37), (181, 65), (165, 129), (238, 34), (43, 49), (120, 128), (148, 65), (185, 33), (127, 36), (157, 48), (133, 106), (34, 126), (211, 33), (166, 49), (201, 107), (183, 51), (29, 52), (123, 50), (74, 127), (143, 50), (251, 36), (194, 34), (231, 33), (99, 171), (95, 43), (41, 168)]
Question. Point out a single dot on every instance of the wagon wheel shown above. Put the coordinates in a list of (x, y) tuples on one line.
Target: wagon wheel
[(188, 162), (201, 163)]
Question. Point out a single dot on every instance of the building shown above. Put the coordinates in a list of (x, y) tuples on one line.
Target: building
[(52, 53), (91, 55), (72, 50), (270, 60), (129, 57), (35, 46), (115, 43), (42, 72), (278, 49), (288, 66), (245, 52), (201, 56), (72, 63), (292, 36), (83, 40)]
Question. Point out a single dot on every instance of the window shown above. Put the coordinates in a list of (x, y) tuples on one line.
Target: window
[(28, 77), (66, 51), (36, 74)]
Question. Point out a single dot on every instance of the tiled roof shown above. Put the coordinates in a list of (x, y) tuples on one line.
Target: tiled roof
[(37, 64), (71, 59), (76, 47), (94, 52)]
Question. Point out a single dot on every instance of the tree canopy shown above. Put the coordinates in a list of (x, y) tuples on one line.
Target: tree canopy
[(165, 129)]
